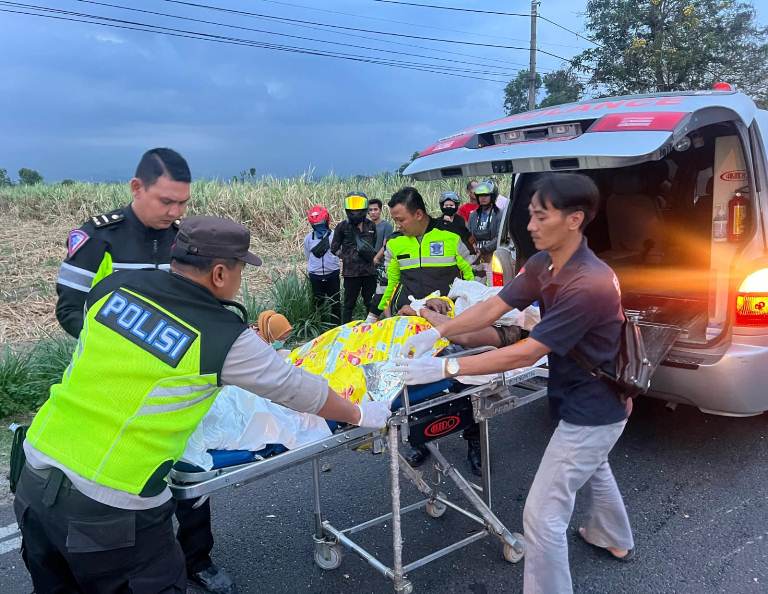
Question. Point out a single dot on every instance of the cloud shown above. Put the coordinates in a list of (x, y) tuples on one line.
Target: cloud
[(82, 101), (109, 38)]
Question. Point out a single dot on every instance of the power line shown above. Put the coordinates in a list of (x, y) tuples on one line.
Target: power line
[(455, 8), (173, 32), (390, 33), (579, 35), (267, 32), (494, 12), (407, 23)]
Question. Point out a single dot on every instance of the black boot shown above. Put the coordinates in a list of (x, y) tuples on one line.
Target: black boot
[(474, 457), (214, 580), (417, 455)]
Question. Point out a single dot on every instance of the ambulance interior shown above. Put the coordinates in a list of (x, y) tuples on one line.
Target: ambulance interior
[(664, 227)]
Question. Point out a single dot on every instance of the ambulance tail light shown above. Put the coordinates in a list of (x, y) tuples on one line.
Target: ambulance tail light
[(497, 272), (654, 121), (752, 300)]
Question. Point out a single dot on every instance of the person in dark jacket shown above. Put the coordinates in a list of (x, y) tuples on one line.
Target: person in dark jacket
[(354, 242), (451, 221), (138, 235)]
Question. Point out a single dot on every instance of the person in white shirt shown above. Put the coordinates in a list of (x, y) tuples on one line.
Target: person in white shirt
[(322, 264)]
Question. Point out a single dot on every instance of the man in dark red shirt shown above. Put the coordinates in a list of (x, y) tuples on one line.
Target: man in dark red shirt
[(466, 209)]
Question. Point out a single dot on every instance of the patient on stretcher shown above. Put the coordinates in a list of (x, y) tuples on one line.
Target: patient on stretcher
[(239, 420)]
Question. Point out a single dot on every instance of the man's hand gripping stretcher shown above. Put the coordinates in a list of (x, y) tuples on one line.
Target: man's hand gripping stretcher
[(239, 420)]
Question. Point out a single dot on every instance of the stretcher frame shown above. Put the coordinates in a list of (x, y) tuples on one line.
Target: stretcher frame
[(488, 400)]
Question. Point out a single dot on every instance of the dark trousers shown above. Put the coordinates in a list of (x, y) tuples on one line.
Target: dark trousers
[(472, 433), (327, 288), (354, 286), (73, 544), (195, 535)]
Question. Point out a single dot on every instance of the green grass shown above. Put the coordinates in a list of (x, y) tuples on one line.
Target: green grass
[(27, 373), (291, 295)]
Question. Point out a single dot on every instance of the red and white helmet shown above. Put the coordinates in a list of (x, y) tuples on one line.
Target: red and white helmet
[(318, 214)]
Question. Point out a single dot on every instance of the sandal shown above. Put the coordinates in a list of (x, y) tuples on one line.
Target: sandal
[(625, 559)]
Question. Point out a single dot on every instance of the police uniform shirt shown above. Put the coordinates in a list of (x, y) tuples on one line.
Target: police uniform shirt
[(106, 243), (581, 309)]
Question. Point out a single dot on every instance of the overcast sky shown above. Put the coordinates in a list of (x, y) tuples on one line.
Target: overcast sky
[(83, 101)]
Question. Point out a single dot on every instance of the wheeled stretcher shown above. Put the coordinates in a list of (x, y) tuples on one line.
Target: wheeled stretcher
[(421, 415)]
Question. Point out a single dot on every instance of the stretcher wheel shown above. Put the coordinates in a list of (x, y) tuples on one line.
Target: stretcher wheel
[(435, 509), (514, 554), (328, 556), (406, 587)]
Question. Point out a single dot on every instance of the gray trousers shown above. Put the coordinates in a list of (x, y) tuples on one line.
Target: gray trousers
[(576, 457)]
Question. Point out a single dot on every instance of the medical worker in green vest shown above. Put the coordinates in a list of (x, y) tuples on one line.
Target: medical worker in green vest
[(155, 349)]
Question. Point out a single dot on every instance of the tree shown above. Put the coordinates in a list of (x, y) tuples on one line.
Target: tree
[(402, 167), (562, 86), (29, 177), (652, 46), (4, 179), (516, 92)]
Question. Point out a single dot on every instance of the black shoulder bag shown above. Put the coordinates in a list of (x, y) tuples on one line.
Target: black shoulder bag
[(321, 247), (632, 376), (365, 250)]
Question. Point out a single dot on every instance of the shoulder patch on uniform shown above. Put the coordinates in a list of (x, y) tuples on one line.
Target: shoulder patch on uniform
[(76, 239), (104, 220)]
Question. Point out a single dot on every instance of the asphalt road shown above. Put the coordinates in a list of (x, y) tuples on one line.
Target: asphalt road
[(694, 486)]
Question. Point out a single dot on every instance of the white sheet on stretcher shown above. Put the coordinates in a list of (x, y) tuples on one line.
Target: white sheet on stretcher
[(240, 420), (467, 293)]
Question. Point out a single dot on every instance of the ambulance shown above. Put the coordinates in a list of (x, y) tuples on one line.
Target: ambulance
[(682, 221)]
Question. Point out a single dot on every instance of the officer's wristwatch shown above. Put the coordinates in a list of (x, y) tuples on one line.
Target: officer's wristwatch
[(452, 367)]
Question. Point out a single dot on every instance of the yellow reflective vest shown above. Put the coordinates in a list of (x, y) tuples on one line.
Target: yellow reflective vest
[(144, 372), (420, 266)]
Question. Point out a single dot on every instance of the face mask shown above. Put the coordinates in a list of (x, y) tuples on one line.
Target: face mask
[(449, 210), (278, 344), (355, 218), (320, 228)]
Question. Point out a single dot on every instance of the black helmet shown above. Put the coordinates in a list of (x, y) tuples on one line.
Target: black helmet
[(445, 196)]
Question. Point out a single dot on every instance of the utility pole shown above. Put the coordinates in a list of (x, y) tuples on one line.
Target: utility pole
[(532, 66)]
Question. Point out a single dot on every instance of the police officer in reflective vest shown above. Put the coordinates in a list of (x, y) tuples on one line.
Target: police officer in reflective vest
[(422, 257), (92, 502), (140, 235)]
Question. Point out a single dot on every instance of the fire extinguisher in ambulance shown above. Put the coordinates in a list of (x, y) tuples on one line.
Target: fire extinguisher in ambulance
[(738, 211)]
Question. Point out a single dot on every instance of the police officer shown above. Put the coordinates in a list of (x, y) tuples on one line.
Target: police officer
[(155, 349), (423, 257), (140, 235), (582, 309)]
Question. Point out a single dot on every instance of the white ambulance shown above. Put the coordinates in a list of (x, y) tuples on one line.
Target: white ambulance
[(682, 221)]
